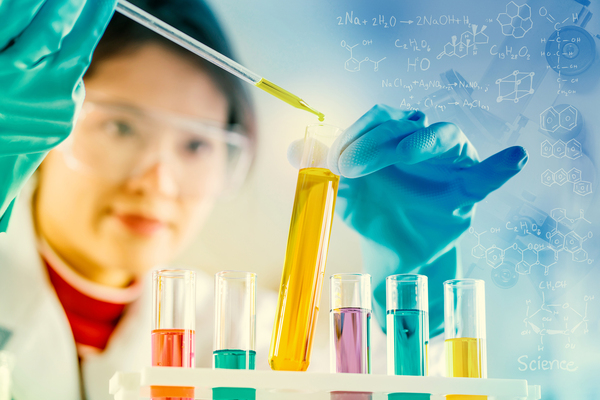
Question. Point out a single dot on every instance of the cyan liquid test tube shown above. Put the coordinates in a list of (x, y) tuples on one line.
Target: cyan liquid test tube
[(350, 325), (464, 331), (235, 328), (407, 329)]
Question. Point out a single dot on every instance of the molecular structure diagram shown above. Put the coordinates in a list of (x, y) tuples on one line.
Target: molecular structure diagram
[(468, 40), (353, 65), (534, 255), (515, 86), (572, 149), (571, 242), (516, 21), (560, 177), (551, 119), (557, 24), (555, 315)]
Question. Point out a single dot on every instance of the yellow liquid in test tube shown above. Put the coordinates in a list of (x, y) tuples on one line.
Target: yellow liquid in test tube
[(303, 270), (463, 360)]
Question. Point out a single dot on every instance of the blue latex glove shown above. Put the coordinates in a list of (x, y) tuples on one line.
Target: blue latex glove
[(409, 189), (45, 48)]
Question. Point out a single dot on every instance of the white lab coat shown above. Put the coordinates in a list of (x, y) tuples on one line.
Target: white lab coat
[(41, 342), (42, 345)]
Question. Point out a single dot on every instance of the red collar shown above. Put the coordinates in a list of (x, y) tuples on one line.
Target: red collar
[(93, 310)]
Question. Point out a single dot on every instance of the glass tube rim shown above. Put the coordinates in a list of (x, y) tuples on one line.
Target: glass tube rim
[(173, 273), (466, 282), (363, 280), (414, 278), (407, 292), (232, 274), (331, 128), (357, 276)]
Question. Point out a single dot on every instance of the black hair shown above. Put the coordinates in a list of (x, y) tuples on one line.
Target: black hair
[(194, 18)]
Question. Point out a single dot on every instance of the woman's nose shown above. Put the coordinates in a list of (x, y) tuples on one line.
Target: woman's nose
[(157, 178)]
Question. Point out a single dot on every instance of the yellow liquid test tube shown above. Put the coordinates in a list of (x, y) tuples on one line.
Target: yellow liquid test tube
[(464, 357), (306, 254), (464, 326)]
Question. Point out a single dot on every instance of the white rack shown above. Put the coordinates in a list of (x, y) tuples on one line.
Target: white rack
[(283, 385)]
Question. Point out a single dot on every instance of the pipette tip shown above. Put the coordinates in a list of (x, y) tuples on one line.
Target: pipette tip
[(288, 97), (312, 110)]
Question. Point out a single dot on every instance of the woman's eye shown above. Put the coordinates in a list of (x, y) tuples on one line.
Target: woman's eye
[(119, 128), (196, 146)]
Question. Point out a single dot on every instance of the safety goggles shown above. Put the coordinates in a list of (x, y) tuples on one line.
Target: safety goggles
[(118, 141)]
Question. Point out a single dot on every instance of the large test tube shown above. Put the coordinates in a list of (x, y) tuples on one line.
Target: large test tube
[(464, 331), (235, 328), (173, 326), (407, 329), (306, 254)]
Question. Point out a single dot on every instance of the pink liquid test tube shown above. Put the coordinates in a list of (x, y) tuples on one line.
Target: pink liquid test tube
[(173, 327), (350, 325)]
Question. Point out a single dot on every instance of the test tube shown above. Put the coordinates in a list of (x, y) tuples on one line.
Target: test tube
[(173, 330), (407, 324), (464, 331), (350, 323), (7, 362), (235, 320), (407, 329), (306, 254), (235, 328), (350, 328)]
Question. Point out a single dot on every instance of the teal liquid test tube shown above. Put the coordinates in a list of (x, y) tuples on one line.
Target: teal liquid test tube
[(407, 329), (235, 328)]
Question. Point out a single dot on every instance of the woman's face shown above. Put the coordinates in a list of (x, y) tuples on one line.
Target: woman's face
[(113, 230)]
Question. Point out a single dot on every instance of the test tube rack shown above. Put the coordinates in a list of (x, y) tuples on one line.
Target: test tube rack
[(283, 385)]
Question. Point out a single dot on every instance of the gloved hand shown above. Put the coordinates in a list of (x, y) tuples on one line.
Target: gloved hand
[(45, 48), (409, 189)]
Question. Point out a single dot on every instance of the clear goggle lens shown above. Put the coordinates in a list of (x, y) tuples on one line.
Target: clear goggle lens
[(118, 141)]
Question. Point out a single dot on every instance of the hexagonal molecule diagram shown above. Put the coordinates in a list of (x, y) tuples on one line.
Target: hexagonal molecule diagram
[(515, 86), (468, 43), (570, 242), (353, 64), (510, 262), (560, 177), (494, 257), (516, 21), (572, 149), (551, 119), (562, 319)]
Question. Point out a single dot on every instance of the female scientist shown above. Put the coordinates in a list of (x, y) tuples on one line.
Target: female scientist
[(158, 138)]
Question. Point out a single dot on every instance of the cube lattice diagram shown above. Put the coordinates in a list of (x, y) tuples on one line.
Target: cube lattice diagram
[(516, 21), (515, 86)]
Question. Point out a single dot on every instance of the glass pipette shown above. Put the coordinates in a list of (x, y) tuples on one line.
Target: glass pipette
[(200, 49)]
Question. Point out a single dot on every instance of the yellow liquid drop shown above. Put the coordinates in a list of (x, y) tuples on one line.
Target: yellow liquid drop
[(463, 358), (288, 97), (304, 266)]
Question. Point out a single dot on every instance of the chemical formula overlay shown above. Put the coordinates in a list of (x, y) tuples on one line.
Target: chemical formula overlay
[(506, 73)]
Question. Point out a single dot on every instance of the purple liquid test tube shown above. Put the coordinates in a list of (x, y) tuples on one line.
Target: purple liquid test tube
[(350, 324)]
